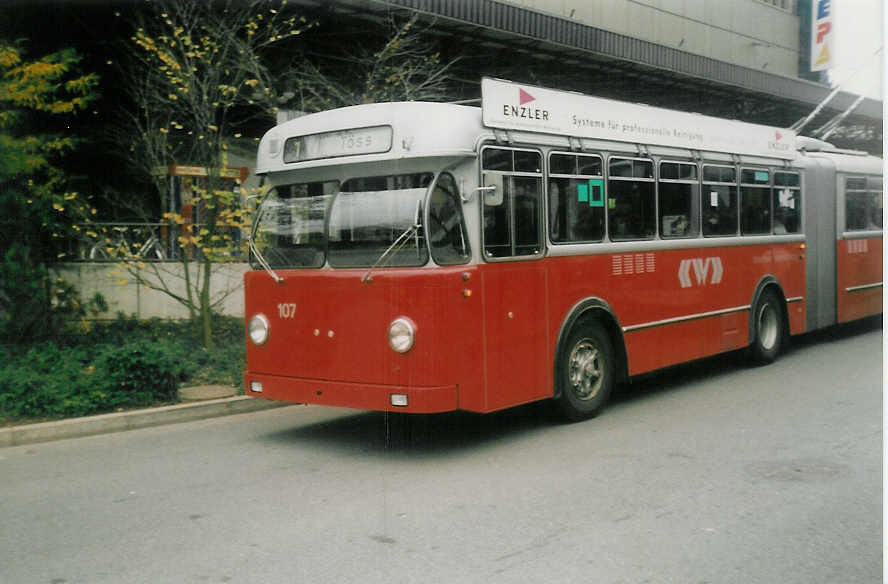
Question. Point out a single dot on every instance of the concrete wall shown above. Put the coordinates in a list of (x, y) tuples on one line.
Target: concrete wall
[(752, 33), (120, 285), (125, 294)]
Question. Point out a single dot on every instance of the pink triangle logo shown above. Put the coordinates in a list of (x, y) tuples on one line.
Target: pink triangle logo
[(779, 135), (524, 97)]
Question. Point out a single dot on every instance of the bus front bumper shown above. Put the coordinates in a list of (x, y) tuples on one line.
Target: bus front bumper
[(366, 396)]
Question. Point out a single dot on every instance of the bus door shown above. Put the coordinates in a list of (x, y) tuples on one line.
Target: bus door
[(514, 286)]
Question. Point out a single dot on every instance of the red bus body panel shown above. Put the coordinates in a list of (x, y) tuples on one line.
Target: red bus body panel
[(334, 349), (858, 278), (644, 289), (486, 335)]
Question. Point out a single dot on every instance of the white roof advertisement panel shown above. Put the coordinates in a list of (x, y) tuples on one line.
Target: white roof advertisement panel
[(512, 106)]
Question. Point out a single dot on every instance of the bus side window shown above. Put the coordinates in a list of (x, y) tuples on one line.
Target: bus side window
[(755, 204), (787, 202), (863, 205), (512, 222), (718, 201), (576, 198), (498, 223), (856, 204), (875, 210), (527, 212), (677, 194), (630, 199)]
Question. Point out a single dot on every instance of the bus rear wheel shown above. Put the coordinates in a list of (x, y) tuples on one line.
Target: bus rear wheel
[(585, 372), (768, 327)]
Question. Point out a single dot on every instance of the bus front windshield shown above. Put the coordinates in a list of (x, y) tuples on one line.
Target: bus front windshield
[(362, 222)]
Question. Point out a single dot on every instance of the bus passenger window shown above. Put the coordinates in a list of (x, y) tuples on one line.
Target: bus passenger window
[(527, 161), (512, 222), (678, 188), (863, 208), (446, 228), (527, 210), (874, 185), (497, 159), (498, 225), (787, 201), (630, 199), (863, 204), (576, 198), (718, 201), (875, 210), (855, 204), (755, 203)]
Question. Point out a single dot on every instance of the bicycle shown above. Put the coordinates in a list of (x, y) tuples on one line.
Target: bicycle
[(119, 247)]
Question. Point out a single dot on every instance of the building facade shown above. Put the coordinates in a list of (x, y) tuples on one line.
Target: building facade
[(737, 59), (757, 34)]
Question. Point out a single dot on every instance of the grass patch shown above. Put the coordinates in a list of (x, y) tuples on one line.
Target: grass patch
[(116, 365)]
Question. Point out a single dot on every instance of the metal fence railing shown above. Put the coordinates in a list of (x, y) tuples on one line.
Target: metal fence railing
[(154, 242)]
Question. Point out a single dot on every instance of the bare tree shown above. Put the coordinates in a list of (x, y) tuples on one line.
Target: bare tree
[(199, 77), (404, 67), (202, 76)]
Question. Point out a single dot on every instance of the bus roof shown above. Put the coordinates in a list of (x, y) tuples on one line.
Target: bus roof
[(403, 130), (849, 162)]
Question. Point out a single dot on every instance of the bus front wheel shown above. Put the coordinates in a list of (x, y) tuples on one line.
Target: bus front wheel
[(767, 328), (586, 372)]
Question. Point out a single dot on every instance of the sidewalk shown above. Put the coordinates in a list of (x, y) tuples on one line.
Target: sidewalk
[(195, 407)]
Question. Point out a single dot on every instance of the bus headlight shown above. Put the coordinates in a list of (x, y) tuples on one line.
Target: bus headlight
[(401, 334), (258, 329)]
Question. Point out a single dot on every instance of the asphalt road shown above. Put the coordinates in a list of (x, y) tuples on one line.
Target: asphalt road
[(710, 473)]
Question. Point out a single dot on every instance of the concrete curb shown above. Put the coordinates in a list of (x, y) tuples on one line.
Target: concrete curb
[(122, 421)]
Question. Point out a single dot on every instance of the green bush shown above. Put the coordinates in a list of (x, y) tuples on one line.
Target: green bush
[(54, 383), (119, 364), (141, 373)]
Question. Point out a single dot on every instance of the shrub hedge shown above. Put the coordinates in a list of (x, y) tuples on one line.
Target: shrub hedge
[(119, 364)]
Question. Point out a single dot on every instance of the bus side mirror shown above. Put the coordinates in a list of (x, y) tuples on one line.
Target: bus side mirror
[(492, 188)]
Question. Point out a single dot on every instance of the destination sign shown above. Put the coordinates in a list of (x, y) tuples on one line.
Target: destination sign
[(353, 142)]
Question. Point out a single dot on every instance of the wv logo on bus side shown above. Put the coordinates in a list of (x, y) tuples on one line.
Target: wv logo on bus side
[(705, 270)]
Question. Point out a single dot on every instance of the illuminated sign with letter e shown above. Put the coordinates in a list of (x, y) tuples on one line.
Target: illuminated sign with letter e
[(822, 33)]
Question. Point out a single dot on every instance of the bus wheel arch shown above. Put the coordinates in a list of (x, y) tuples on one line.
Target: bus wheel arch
[(768, 321), (590, 358)]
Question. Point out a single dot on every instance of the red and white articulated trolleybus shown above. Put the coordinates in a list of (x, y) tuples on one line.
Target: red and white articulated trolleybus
[(427, 257)]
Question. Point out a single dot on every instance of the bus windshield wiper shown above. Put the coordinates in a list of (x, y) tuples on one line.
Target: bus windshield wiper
[(398, 243), (262, 262)]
